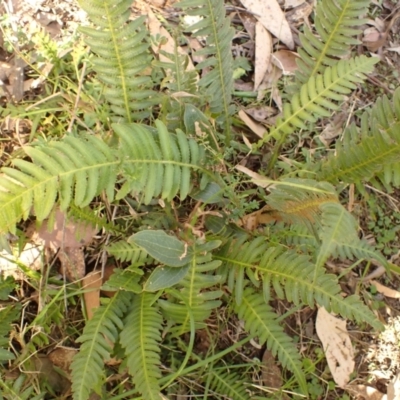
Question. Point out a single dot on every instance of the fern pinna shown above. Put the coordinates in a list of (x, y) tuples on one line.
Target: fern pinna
[(78, 169), (122, 54)]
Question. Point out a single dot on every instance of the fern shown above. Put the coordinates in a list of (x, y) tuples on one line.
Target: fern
[(7, 315), (260, 321), (335, 23), (317, 97), (230, 384), (124, 251), (371, 151), (300, 200), (178, 80), (141, 339), (190, 299), (78, 169), (292, 276), (339, 237), (99, 335), (121, 57), (127, 279), (218, 82)]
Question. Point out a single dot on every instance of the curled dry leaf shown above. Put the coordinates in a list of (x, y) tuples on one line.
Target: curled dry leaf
[(337, 346), (388, 292), (257, 128), (286, 61), (261, 113), (272, 17), (298, 15)]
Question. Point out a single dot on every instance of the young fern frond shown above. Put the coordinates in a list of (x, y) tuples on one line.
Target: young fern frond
[(318, 96), (335, 23), (299, 200), (190, 299), (99, 334), (216, 29), (230, 384), (122, 55), (141, 338), (371, 151), (261, 321), (78, 169)]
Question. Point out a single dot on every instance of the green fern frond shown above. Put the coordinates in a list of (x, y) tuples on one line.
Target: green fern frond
[(141, 338), (299, 200), (127, 279), (122, 55), (8, 315), (124, 251), (160, 168), (78, 169), (230, 384), (100, 333), (215, 28), (373, 150), (291, 275), (190, 299), (261, 321), (336, 25), (317, 97), (339, 237), (74, 169)]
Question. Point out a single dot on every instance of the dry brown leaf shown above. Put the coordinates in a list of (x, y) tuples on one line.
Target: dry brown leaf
[(108, 271), (44, 367), (249, 23), (337, 346), (257, 128), (65, 232), (72, 263), (91, 284), (373, 40), (298, 15), (260, 114), (271, 374), (62, 357), (388, 292), (272, 17), (286, 61), (263, 54)]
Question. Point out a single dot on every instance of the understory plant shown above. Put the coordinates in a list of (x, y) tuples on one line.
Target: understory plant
[(165, 161)]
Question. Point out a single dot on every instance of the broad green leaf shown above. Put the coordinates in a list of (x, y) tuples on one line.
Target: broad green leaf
[(165, 277), (164, 248)]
